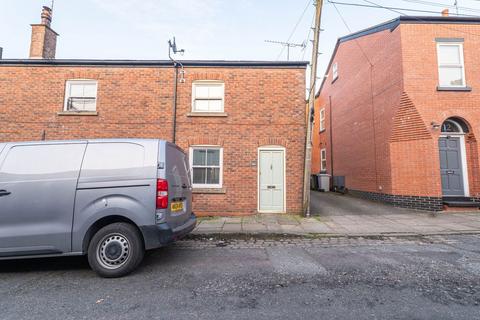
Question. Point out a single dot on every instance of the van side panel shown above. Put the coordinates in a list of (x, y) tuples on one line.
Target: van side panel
[(116, 179), (36, 206)]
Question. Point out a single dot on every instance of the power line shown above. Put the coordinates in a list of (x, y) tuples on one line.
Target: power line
[(420, 19), (436, 4), (307, 39), (350, 30), (295, 27), (377, 6)]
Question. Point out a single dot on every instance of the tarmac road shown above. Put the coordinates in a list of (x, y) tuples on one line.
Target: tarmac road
[(328, 278)]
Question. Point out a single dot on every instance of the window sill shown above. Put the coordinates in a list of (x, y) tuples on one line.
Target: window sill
[(467, 89), (207, 114), (77, 113), (323, 130), (210, 190)]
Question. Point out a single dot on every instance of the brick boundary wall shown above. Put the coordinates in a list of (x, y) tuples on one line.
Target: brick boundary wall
[(411, 202)]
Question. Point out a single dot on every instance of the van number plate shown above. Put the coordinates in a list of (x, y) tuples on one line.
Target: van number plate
[(176, 206)]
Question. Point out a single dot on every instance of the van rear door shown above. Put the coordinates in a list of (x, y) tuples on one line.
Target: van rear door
[(179, 186)]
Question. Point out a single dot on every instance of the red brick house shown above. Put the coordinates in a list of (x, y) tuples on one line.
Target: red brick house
[(242, 122), (398, 114)]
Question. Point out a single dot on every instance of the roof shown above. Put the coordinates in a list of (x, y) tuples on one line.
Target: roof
[(393, 24), (156, 63)]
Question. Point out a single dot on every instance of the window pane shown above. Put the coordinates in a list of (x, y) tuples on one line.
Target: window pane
[(216, 91), (201, 91), (113, 156), (451, 76), (201, 105), (199, 157), (215, 105), (76, 90), (213, 175), (90, 90), (38, 160), (213, 157), (199, 175), (449, 54)]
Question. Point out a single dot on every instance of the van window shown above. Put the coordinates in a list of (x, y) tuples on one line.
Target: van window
[(113, 159), (42, 161)]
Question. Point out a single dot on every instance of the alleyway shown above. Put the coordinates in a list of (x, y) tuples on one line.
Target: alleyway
[(336, 204)]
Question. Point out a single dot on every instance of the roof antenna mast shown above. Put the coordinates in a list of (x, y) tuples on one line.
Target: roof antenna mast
[(456, 6)]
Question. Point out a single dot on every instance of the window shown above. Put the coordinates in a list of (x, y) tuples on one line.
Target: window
[(451, 71), (81, 95), (334, 71), (42, 162), (322, 119), (208, 96), (323, 160), (206, 164), (116, 159)]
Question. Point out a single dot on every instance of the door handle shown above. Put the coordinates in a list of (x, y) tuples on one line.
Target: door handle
[(4, 193), (184, 186)]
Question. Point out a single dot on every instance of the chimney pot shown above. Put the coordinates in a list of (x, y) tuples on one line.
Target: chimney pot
[(445, 13), (46, 16)]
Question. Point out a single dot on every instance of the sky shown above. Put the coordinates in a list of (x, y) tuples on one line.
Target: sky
[(206, 29)]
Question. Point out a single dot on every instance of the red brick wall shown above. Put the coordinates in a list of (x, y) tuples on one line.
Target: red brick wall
[(421, 80), (406, 102), (360, 131), (264, 106)]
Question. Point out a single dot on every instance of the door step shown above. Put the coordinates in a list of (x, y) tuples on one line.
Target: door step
[(460, 202)]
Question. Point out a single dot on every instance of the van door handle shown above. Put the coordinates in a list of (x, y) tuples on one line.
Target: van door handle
[(4, 193)]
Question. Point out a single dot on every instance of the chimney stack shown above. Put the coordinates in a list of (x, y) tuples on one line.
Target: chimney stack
[(445, 13), (44, 40)]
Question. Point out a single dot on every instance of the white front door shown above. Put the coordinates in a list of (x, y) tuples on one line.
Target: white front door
[(271, 180)]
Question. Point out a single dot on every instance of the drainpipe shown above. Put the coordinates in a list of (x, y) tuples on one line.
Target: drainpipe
[(331, 137), (172, 47), (175, 87)]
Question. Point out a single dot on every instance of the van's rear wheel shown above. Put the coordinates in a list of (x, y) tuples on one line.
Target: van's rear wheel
[(115, 250)]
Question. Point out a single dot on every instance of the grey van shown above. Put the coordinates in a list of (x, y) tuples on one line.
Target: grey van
[(108, 199)]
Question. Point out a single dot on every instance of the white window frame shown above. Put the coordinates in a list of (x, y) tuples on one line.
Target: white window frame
[(68, 85), (462, 63), (335, 71), (207, 82), (207, 186), (323, 157), (322, 120)]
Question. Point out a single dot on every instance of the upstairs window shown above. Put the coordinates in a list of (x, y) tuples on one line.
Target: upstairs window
[(81, 95), (335, 71), (451, 69), (322, 119), (208, 96)]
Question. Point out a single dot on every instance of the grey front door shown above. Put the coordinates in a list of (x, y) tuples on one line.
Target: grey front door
[(451, 166)]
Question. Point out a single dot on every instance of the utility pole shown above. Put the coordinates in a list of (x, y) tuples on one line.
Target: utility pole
[(288, 45), (311, 105)]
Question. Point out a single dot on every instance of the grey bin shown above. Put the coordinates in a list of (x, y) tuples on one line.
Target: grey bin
[(323, 182)]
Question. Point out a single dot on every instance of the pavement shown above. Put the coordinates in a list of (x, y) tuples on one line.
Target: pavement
[(434, 277), (343, 215)]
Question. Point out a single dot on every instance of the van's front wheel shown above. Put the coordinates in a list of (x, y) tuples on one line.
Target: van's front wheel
[(115, 250)]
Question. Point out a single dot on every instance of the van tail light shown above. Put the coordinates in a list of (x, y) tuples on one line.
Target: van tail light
[(162, 194)]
